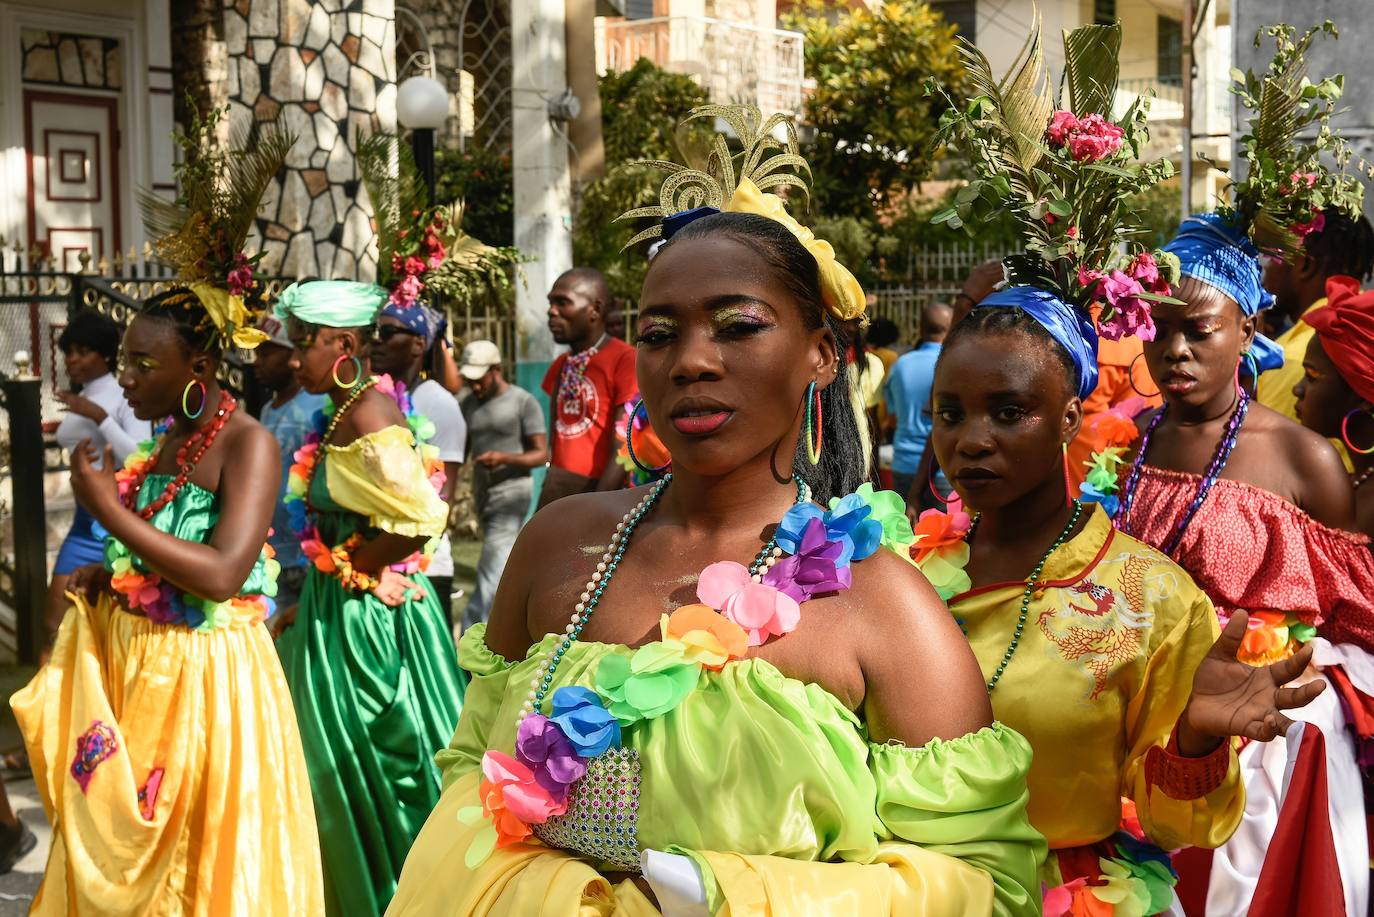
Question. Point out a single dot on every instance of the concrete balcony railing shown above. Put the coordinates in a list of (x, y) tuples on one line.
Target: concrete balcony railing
[(734, 62)]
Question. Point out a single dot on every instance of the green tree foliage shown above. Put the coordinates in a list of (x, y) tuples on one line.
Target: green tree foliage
[(640, 111), (484, 182), (874, 123)]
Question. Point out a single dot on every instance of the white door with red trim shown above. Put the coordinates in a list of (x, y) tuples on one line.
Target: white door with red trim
[(72, 143)]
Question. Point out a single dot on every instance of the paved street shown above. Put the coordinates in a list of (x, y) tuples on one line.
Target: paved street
[(17, 888)]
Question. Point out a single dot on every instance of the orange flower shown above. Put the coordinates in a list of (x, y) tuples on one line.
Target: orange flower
[(1109, 428), (509, 829), (707, 637), (1266, 642), (936, 530)]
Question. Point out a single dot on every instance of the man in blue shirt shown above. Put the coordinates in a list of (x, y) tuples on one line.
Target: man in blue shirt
[(290, 417), (907, 391)]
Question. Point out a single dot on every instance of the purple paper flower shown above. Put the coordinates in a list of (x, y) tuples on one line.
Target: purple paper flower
[(814, 569), (542, 747)]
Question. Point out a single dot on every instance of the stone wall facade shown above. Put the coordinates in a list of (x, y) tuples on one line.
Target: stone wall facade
[(322, 70)]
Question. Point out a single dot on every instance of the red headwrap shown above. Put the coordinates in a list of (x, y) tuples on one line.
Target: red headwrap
[(1346, 328)]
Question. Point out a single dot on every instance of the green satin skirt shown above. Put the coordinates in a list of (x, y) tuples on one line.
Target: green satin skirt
[(377, 692)]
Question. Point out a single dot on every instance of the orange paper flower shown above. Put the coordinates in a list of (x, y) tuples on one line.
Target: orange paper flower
[(1266, 642), (936, 530), (707, 637)]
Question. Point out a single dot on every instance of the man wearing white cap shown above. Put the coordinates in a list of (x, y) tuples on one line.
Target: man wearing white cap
[(289, 416), (507, 439)]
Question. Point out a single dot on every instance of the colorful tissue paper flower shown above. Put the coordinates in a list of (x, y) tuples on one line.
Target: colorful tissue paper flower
[(760, 609), (850, 517), (521, 794), (940, 552), (812, 570), (1127, 895), (1091, 493), (585, 722), (1267, 639), (707, 638), (1059, 900), (541, 746), (887, 509), (646, 685)]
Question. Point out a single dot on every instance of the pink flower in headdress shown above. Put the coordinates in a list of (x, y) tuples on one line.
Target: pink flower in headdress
[(1145, 269), (1317, 224), (1071, 232), (1095, 138), (1061, 126), (407, 291), (1125, 313), (414, 266), (240, 279)]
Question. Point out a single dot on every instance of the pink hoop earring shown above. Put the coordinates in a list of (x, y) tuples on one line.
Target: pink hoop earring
[(1345, 432), (930, 482), (1130, 377), (357, 371)]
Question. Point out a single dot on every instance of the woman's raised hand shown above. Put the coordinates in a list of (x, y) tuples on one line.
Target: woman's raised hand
[(94, 488), (395, 589), (1231, 698)]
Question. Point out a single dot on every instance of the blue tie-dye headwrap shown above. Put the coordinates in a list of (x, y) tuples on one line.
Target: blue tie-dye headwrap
[(417, 318), (1072, 329), (1218, 253)]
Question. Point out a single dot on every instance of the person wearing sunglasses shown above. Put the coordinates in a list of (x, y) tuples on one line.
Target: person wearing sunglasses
[(400, 343)]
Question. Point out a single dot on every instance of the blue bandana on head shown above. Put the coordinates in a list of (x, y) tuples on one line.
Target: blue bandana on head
[(1072, 329), (1219, 253), (416, 318)]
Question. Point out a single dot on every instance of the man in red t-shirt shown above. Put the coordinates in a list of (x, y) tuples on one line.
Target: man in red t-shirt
[(587, 388)]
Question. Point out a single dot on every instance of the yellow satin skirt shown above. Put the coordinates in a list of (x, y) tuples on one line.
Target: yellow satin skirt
[(171, 769), (530, 880)]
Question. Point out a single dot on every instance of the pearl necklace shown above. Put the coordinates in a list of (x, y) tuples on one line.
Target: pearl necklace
[(601, 578)]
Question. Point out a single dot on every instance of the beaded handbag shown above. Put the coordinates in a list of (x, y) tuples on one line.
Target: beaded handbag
[(603, 810)]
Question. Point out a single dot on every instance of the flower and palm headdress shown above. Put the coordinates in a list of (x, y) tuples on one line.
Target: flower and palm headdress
[(1067, 169), (202, 233)]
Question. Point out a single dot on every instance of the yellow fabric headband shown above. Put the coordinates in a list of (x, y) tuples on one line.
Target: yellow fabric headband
[(839, 287)]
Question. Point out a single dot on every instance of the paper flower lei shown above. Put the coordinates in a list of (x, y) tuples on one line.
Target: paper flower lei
[(1110, 434), (162, 603), (336, 561), (1136, 878), (736, 610)]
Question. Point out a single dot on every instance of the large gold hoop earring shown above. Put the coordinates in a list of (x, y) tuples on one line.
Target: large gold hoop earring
[(357, 371)]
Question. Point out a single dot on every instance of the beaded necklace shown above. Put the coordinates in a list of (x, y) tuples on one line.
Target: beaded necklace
[(570, 378), (1364, 476), (188, 457), (605, 571), (1029, 591), (348, 403), (1214, 469)]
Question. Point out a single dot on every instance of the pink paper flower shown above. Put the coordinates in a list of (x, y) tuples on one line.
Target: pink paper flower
[(240, 279), (760, 609), (520, 793)]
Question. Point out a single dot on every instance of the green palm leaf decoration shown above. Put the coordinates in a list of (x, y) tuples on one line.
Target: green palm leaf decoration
[(1090, 68), (397, 192)]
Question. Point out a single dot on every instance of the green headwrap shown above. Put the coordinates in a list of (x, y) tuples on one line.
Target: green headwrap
[(332, 303)]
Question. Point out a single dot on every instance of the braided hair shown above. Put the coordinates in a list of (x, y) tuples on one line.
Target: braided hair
[(1011, 320), (188, 317)]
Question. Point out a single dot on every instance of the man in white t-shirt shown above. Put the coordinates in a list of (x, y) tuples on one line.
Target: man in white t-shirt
[(399, 347)]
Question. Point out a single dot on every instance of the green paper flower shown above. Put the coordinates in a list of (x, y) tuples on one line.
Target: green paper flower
[(888, 510), (646, 685)]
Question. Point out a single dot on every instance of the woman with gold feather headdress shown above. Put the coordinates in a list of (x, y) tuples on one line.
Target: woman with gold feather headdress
[(677, 736), (161, 732)]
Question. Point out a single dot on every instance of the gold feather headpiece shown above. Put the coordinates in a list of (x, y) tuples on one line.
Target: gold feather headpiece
[(741, 183)]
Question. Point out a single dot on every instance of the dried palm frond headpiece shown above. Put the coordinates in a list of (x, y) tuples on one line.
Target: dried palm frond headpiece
[(740, 182), (202, 233), (1288, 183), (422, 247), (1067, 169)]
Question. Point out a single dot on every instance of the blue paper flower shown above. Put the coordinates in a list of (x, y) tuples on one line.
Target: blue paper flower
[(588, 725), (1090, 494), (849, 519), (792, 528)]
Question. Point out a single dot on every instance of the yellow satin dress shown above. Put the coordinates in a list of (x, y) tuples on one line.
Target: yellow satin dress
[(168, 757)]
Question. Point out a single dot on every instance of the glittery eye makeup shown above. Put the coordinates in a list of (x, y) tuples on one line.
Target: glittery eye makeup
[(742, 314), (652, 325)]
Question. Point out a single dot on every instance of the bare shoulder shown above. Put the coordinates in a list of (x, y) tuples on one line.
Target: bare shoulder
[(1321, 485), (582, 513), (374, 411), (247, 439), (913, 650)]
